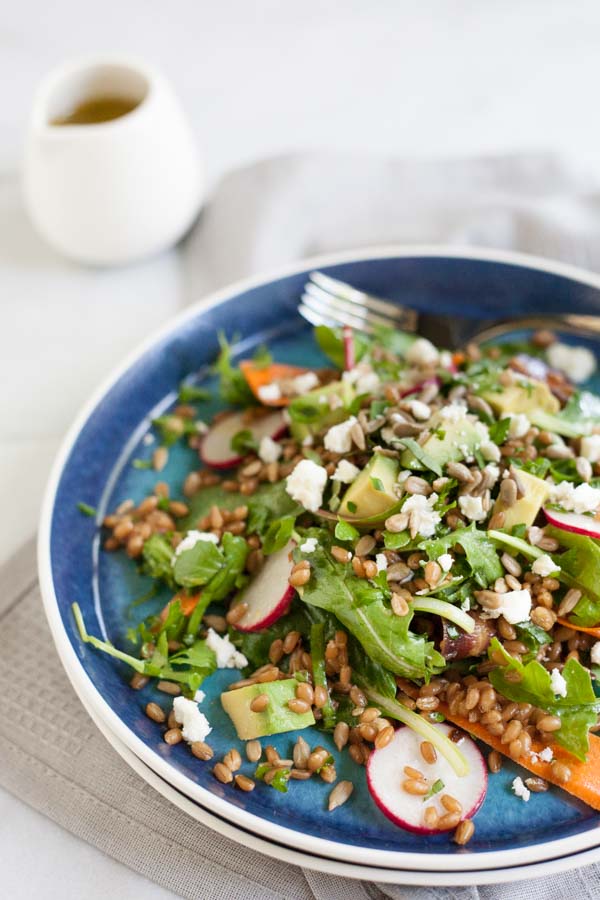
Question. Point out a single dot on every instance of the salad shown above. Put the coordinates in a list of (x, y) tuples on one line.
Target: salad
[(407, 537)]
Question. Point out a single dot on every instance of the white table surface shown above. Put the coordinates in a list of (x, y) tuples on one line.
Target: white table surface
[(257, 78)]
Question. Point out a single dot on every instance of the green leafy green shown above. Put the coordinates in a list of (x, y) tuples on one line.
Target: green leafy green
[(233, 387), (578, 710), (579, 567), (499, 430), (532, 636), (480, 552), (230, 576), (421, 455), (344, 531), (172, 428), (278, 534), (279, 780), (142, 463), (244, 442), (196, 566), (317, 652), (396, 540), (435, 788), (86, 509), (331, 343), (191, 393), (157, 555)]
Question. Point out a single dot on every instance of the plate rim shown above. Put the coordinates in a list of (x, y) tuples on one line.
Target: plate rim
[(91, 696)]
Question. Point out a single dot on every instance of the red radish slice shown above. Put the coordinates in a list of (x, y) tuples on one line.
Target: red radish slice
[(416, 388), (385, 776), (269, 594), (349, 355), (216, 449), (574, 522)]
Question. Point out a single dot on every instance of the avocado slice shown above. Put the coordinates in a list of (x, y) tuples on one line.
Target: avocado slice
[(318, 414), (372, 492), (275, 719), (524, 396), (452, 442), (525, 510)]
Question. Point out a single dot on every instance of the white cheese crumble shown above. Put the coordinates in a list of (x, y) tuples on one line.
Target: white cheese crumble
[(196, 726), (269, 450), (520, 790), (472, 508), (544, 566), (338, 439), (199, 696), (446, 562), (519, 425), (454, 412), (578, 363), (345, 472), (423, 518), (192, 538), (304, 383), (422, 353), (546, 754), (363, 378), (515, 606), (580, 499), (227, 655), (268, 393), (595, 654), (590, 447), (419, 410), (382, 563), (309, 545), (558, 683), (306, 484)]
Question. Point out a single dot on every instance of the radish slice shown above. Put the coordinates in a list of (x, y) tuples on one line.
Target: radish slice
[(417, 388), (349, 356), (574, 522), (269, 594), (216, 449), (385, 776)]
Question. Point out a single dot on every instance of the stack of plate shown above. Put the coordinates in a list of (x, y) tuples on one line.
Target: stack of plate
[(513, 839)]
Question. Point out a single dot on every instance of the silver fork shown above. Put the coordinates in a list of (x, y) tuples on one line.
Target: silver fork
[(328, 301)]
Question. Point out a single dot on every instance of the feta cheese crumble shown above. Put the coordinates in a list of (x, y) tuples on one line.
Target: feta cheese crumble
[(546, 754), (590, 447), (520, 790), (515, 606), (544, 566), (227, 655), (306, 484), (309, 545), (422, 353), (195, 725), (269, 450), (302, 384), (445, 561), (578, 363), (580, 499), (519, 425), (268, 393), (364, 379), (472, 508), (419, 410), (382, 563), (345, 472), (423, 519), (558, 683), (595, 654), (192, 538), (338, 439), (454, 412)]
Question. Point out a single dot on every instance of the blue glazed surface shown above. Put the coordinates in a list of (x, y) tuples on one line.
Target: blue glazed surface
[(105, 584)]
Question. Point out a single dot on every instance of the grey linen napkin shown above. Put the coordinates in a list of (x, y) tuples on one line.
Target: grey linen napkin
[(52, 755)]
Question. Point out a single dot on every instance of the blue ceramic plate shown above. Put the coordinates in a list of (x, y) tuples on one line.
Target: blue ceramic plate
[(95, 465)]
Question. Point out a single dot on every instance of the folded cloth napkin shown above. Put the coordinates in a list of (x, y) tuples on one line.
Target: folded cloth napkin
[(53, 757)]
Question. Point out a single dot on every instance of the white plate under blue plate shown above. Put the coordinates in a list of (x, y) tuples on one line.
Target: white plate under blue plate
[(94, 465)]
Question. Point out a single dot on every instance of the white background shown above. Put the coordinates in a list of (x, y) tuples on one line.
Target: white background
[(257, 78)]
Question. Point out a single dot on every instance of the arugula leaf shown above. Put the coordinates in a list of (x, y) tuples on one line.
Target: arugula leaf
[(157, 555), (578, 711), (270, 501), (172, 428), (317, 652), (344, 531), (233, 387), (499, 430), (243, 442), (331, 343), (235, 551), (532, 636), (142, 463), (480, 552), (396, 540), (191, 393), (421, 455), (278, 534), (279, 780), (196, 566), (86, 509), (360, 607), (579, 567)]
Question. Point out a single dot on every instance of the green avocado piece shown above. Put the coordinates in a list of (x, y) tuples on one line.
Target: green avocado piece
[(314, 409), (524, 396), (525, 510), (452, 442), (275, 719), (372, 492)]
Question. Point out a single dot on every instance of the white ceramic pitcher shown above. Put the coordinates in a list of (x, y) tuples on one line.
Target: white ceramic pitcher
[(114, 191)]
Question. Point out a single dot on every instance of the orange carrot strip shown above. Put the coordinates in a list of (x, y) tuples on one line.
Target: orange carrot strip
[(585, 777), (257, 377), (595, 632), (188, 604)]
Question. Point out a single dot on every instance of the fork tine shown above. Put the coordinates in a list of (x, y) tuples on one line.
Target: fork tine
[(320, 318), (336, 315), (342, 291), (319, 298)]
